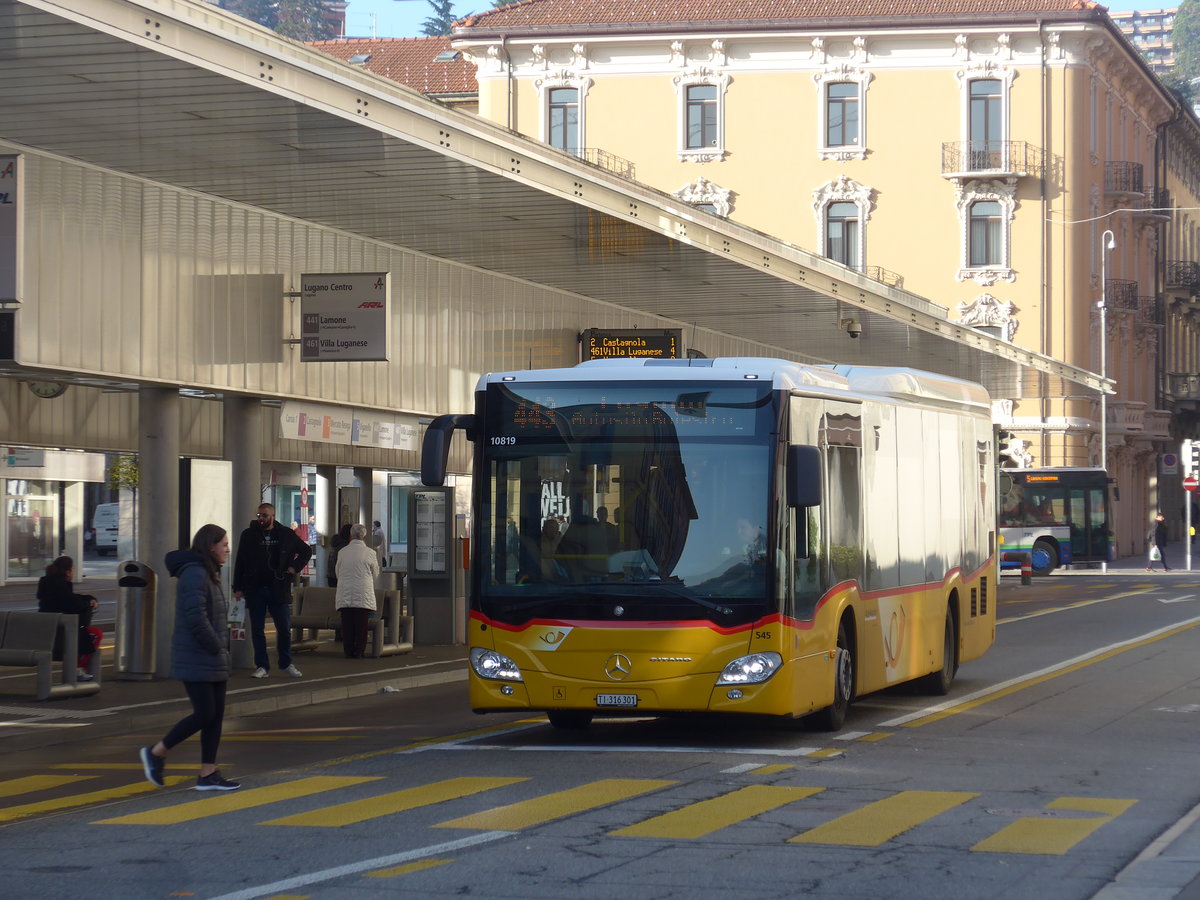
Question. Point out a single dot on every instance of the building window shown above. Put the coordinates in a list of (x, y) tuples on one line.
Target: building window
[(562, 99), (701, 116), (841, 114), (701, 92), (562, 119), (842, 111), (843, 235), (986, 209), (985, 244), (986, 124)]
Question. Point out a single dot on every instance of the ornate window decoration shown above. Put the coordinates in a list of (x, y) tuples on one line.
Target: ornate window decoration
[(551, 106), (842, 112), (986, 311), (979, 191), (706, 195), (701, 92), (844, 190), (986, 115)]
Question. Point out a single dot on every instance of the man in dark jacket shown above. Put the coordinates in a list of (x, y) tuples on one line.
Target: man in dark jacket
[(268, 558)]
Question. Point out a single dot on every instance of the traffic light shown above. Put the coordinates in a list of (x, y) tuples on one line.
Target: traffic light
[(1194, 459)]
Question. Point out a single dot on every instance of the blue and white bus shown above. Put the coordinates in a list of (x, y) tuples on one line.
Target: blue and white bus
[(1058, 515)]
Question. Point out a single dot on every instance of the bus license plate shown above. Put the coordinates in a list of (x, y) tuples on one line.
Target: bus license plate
[(616, 700)]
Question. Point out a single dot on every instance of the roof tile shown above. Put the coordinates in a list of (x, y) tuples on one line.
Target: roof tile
[(549, 13), (410, 61)]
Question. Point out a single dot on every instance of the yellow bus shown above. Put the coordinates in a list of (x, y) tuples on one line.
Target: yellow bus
[(746, 536)]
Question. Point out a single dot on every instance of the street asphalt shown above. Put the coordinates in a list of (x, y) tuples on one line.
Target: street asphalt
[(1168, 869)]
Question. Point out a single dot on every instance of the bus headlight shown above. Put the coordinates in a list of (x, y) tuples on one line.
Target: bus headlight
[(753, 669), (494, 666)]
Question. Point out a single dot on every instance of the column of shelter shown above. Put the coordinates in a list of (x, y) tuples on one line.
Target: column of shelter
[(158, 504)]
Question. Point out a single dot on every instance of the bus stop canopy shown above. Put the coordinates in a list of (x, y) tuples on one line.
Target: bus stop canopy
[(185, 94)]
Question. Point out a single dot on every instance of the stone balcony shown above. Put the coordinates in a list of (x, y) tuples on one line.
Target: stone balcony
[(1156, 424)]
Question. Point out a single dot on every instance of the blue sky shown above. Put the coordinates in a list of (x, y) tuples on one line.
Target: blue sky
[(403, 18)]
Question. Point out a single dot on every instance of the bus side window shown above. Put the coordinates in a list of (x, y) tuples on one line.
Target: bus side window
[(808, 566)]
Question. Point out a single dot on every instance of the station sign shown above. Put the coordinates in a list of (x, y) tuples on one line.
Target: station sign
[(8, 228), (344, 317), (645, 343)]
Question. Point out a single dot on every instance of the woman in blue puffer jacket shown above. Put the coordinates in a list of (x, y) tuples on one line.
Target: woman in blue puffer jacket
[(199, 656)]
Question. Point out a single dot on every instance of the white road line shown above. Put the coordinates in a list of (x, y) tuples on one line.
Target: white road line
[(1049, 670), (379, 862), (1184, 599)]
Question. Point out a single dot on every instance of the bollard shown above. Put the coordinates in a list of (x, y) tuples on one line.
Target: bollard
[(1026, 568)]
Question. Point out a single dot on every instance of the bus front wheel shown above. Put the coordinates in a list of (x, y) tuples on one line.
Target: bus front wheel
[(1044, 558), (832, 717), (569, 718)]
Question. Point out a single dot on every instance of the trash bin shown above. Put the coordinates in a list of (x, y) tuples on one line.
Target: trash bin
[(137, 586)]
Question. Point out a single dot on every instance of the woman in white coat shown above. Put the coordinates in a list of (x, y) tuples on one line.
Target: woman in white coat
[(357, 569)]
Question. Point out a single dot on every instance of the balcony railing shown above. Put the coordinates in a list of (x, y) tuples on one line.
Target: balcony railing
[(609, 162), (1148, 311), (878, 273), (1157, 424), (1184, 386), (1003, 157), (1183, 273), (1126, 416), (1156, 204), (1123, 178), (1121, 294)]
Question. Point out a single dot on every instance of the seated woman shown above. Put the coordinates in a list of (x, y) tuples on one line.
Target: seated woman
[(56, 594)]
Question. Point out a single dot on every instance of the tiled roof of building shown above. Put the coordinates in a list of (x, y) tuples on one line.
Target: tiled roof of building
[(558, 14), (411, 61)]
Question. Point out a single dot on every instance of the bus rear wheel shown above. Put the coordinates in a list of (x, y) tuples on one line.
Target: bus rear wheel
[(1044, 557), (938, 683), (832, 717), (569, 718)]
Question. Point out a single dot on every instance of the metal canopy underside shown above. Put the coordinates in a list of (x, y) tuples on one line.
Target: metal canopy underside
[(187, 95)]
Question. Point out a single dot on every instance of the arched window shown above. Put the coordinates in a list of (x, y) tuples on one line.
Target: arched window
[(985, 242), (562, 119), (843, 233)]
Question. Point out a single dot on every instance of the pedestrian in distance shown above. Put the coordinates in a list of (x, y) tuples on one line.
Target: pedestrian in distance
[(56, 594), (336, 543), (379, 542), (357, 569), (268, 558), (1158, 537), (199, 656)]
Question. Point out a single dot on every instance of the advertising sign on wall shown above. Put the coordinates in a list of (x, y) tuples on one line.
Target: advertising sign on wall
[(344, 317), (341, 425)]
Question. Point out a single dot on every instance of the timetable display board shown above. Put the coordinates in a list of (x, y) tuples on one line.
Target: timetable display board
[(648, 343), (430, 531)]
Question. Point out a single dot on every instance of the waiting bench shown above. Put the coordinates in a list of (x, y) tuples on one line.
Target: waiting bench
[(391, 631), (27, 639)]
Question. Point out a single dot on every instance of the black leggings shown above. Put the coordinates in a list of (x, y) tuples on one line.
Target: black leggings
[(208, 714)]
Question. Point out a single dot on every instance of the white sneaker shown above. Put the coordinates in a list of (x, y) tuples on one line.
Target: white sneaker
[(83, 675), (260, 672), (294, 672)]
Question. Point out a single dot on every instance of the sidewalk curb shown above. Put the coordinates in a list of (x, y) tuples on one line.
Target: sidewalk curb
[(254, 699)]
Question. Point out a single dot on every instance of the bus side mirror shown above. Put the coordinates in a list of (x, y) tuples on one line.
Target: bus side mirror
[(435, 448), (803, 476)]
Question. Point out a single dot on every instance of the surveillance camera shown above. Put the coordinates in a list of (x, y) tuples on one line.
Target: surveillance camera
[(853, 328)]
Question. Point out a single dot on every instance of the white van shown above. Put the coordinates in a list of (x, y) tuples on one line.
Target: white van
[(106, 525)]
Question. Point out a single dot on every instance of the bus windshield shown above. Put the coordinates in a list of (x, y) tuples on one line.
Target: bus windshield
[(617, 501)]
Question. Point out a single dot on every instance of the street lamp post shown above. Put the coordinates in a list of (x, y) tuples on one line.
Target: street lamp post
[(1108, 242)]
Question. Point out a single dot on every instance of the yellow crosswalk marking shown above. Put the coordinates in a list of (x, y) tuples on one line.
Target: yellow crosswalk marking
[(881, 821), (126, 767), (31, 783), (12, 813), (703, 818), (539, 810), (396, 801), (235, 801), (1054, 837), (771, 770), (407, 868)]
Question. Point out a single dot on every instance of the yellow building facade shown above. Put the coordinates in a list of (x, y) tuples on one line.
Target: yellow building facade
[(1007, 164)]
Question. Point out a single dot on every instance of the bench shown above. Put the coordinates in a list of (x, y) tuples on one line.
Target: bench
[(27, 639), (391, 631)]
